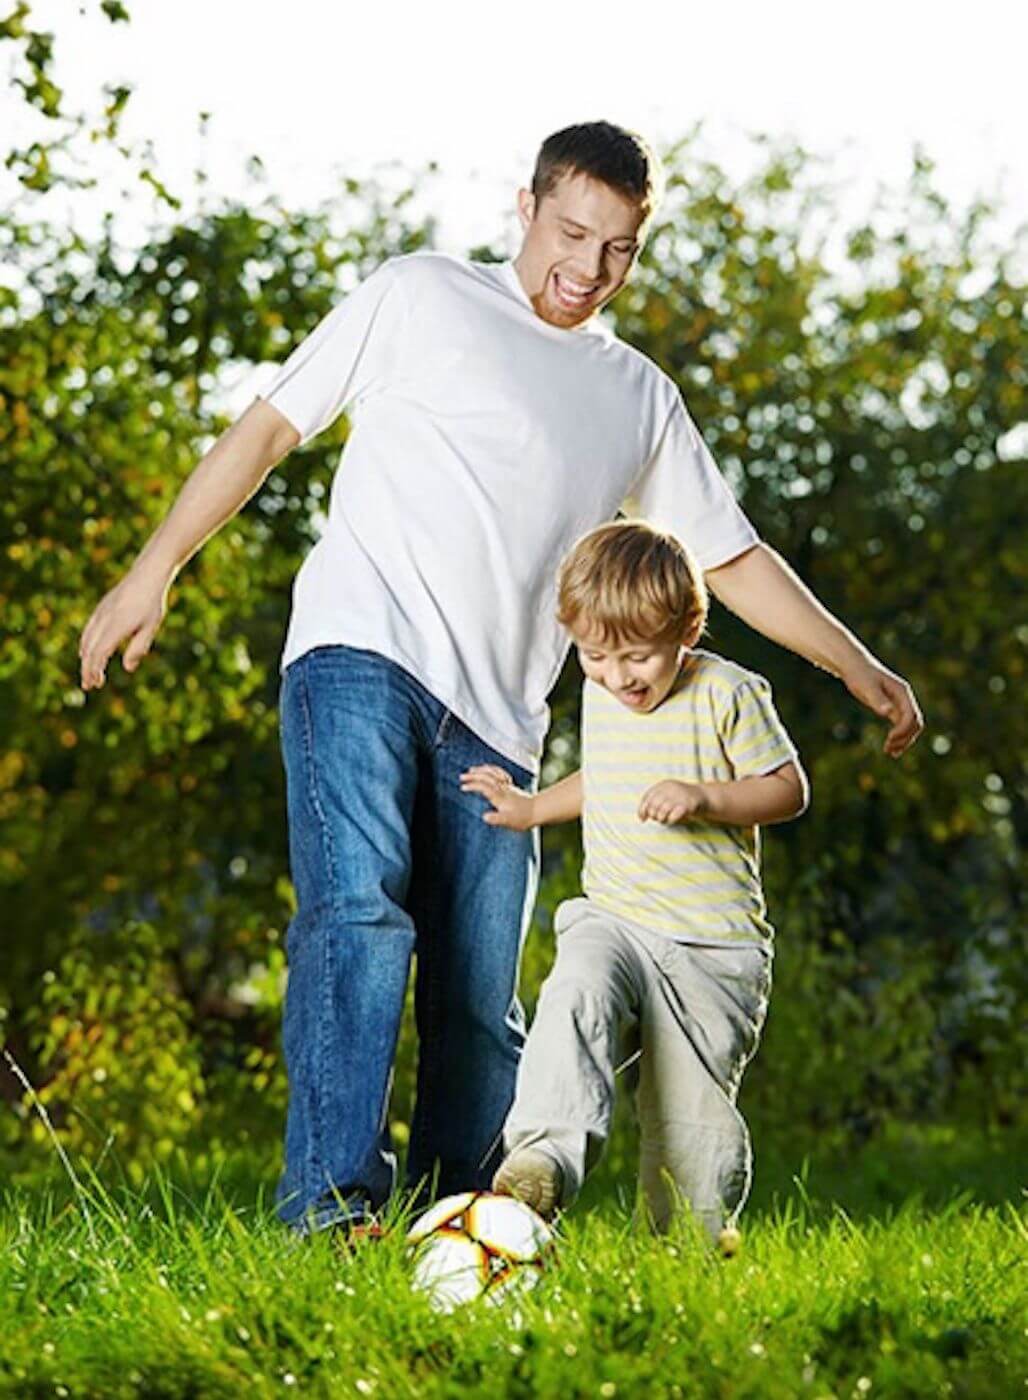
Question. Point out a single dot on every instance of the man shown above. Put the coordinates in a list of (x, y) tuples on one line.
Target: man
[(495, 420)]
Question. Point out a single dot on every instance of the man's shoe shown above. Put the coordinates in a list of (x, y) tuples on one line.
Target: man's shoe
[(532, 1176), (339, 1212), (351, 1235)]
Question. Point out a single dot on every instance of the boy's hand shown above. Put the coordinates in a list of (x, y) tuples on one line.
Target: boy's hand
[(670, 802), (512, 807)]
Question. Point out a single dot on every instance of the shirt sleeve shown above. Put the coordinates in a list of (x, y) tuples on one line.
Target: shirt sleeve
[(347, 355), (752, 735), (681, 490)]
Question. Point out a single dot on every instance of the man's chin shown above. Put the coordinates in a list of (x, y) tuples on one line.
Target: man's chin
[(556, 315)]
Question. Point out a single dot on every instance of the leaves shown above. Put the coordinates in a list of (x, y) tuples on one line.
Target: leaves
[(859, 422), (52, 159)]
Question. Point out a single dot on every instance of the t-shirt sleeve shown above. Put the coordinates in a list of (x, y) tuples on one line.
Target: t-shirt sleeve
[(347, 355), (681, 489), (753, 736)]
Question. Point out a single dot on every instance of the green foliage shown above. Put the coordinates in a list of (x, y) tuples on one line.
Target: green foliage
[(49, 161), (867, 422), (115, 1040)]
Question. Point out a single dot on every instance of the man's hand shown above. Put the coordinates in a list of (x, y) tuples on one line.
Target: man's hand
[(889, 696), (670, 802), (224, 478), (512, 808), (759, 587), (134, 610)]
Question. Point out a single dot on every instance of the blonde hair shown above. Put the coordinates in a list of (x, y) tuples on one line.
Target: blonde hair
[(631, 582)]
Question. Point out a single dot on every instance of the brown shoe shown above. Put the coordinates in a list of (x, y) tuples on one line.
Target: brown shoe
[(532, 1176)]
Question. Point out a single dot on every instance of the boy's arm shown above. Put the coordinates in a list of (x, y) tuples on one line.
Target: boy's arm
[(562, 802), (754, 801)]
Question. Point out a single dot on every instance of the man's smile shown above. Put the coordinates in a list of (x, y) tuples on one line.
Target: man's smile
[(574, 295)]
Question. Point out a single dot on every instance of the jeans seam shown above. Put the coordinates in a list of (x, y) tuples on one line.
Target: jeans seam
[(317, 1134), (311, 776), (431, 1038)]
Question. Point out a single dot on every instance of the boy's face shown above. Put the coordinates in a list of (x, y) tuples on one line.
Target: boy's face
[(639, 674), (580, 243)]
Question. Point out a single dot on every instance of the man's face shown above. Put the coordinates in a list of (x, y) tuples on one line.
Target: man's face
[(639, 674), (581, 242)]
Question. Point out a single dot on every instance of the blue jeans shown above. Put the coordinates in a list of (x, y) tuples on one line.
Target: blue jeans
[(389, 857)]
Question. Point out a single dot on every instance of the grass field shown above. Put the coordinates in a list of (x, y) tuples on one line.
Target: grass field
[(900, 1273)]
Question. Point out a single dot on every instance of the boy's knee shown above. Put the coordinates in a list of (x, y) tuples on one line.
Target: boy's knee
[(582, 996), (586, 958)]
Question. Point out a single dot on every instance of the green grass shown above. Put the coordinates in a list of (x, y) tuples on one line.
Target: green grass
[(190, 1288)]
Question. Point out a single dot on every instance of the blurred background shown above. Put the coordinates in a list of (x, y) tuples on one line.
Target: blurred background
[(836, 279)]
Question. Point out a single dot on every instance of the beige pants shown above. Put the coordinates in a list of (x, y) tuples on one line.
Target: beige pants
[(694, 1011)]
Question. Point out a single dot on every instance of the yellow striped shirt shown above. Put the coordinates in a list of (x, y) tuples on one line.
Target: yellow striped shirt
[(695, 879)]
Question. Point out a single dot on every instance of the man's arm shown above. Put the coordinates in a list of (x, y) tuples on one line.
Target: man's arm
[(220, 484), (759, 587), (561, 802)]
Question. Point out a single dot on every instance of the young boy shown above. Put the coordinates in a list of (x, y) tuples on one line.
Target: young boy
[(683, 757)]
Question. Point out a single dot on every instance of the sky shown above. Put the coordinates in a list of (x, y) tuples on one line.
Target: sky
[(319, 91)]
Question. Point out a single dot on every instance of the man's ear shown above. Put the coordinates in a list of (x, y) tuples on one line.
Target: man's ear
[(526, 208)]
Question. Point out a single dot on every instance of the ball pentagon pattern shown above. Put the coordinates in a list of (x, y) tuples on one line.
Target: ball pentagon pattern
[(477, 1244)]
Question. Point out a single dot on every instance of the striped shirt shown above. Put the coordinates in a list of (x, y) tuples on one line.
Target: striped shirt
[(696, 879)]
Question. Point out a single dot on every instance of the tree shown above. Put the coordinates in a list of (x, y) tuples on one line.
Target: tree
[(871, 427), (50, 159)]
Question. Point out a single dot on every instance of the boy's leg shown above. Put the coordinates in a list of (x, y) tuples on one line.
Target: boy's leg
[(700, 1024), (565, 1090), (350, 736), (471, 898)]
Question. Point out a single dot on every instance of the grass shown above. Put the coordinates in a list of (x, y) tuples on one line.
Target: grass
[(870, 1278)]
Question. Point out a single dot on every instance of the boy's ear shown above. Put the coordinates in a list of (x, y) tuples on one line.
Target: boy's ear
[(693, 635)]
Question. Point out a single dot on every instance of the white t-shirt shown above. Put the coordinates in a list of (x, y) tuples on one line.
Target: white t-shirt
[(484, 442)]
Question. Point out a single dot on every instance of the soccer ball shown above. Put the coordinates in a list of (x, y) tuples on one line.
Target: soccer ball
[(475, 1245)]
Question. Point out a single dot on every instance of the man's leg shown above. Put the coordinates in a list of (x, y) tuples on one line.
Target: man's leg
[(471, 898), (350, 739), (565, 1094)]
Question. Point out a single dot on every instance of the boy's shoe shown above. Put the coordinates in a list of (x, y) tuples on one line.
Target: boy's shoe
[(531, 1175)]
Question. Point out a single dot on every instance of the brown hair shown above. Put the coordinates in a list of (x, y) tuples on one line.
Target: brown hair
[(632, 582), (612, 154)]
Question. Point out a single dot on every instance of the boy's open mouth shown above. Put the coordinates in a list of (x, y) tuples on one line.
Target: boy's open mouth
[(634, 697)]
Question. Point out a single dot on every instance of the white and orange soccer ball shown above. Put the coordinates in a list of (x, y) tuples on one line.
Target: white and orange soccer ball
[(476, 1245)]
